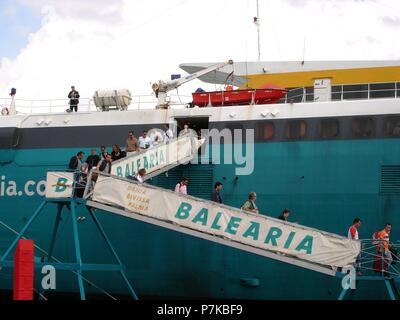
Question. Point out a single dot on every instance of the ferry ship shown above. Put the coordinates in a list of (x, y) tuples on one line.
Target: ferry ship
[(329, 151)]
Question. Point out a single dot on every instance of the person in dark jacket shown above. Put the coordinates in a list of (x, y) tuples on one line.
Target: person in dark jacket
[(93, 160), (105, 165), (284, 215), (103, 153), (117, 153), (73, 97), (75, 163), (139, 177), (215, 196)]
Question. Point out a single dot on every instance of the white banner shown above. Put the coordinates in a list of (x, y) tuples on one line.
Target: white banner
[(155, 158), (209, 217), (59, 184)]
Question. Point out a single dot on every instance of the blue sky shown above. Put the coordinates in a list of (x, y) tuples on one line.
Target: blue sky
[(17, 21)]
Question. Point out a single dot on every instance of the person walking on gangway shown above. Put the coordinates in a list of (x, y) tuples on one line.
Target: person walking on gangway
[(93, 160), (216, 193), (105, 165), (384, 256), (250, 204), (352, 233), (132, 144), (145, 141), (169, 135), (181, 187), (284, 215), (353, 230), (75, 163), (139, 177)]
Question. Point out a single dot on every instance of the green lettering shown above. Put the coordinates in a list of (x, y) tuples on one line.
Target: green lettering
[(273, 234), (215, 224), (127, 171), (289, 240), (306, 244), (162, 159), (119, 171), (233, 224), (152, 160), (201, 217), (183, 211), (61, 185), (252, 231)]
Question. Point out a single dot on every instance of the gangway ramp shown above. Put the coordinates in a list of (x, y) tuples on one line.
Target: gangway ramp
[(298, 245), (160, 158)]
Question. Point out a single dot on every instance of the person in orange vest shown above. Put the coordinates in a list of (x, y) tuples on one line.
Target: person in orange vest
[(383, 249)]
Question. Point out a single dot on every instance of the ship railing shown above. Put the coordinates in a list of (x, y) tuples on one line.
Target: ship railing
[(344, 92), (340, 92), (375, 260), (38, 106)]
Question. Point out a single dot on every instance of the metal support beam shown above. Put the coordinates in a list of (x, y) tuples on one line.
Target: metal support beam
[(77, 267), (77, 249), (103, 234), (55, 229), (390, 290), (22, 232)]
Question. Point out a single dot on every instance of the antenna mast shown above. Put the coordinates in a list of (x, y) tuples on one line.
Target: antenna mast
[(257, 23)]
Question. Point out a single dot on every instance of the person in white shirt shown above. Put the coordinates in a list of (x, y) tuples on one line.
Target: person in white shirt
[(353, 232), (145, 141), (156, 136), (185, 129), (169, 135), (181, 187)]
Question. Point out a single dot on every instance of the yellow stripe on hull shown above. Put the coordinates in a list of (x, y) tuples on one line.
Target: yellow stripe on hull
[(338, 76)]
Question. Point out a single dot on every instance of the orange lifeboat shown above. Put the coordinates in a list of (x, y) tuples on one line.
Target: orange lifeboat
[(266, 94)]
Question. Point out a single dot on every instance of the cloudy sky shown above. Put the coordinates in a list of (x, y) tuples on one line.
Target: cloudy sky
[(48, 45)]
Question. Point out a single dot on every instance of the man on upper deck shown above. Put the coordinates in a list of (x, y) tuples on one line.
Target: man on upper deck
[(73, 97)]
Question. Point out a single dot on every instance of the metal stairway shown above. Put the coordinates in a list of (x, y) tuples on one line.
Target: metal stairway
[(143, 202), (160, 158)]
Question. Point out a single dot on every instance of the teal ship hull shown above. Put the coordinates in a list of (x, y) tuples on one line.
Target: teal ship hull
[(326, 184)]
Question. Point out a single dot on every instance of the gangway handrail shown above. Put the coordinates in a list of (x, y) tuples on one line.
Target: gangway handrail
[(213, 236), (225, 206), (226, 242), (182, 155)]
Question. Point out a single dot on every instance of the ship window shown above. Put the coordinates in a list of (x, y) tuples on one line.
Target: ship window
[(296, 129), (337, 92), (363, 127), (295, 95), (329, 128), (382, 90), (392, 126), (310, 94), (265, 131), (355, 91)]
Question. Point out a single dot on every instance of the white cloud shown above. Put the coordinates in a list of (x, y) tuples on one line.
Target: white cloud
[(127, 44)]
